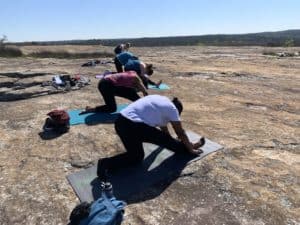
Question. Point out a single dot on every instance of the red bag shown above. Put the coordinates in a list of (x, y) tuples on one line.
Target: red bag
[(59, 116)]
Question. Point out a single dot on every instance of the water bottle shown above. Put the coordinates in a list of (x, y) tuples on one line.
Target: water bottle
[(107, 189)]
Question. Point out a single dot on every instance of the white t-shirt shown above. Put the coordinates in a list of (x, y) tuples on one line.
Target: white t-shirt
[(154, 110)]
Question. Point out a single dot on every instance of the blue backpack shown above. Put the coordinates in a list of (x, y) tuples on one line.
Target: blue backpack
[(106, 210)]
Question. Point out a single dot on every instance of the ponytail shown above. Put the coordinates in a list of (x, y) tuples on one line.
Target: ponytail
[(178, 104)]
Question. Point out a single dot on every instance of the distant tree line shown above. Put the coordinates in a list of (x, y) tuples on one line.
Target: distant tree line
[(287, 38)]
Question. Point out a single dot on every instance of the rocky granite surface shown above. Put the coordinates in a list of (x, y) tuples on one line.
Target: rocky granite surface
[(238, 97)]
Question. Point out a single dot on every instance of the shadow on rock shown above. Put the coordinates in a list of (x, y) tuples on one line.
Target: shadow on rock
[(97, 118), (19, 85), (12, 94), (22, 75), (143, 182), (49, 135), (9, 97)]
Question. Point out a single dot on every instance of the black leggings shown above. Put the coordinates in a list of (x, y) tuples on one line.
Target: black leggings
[(133, 134), (109, 91)]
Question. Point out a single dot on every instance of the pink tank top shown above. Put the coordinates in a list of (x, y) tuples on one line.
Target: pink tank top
[(124, 79)]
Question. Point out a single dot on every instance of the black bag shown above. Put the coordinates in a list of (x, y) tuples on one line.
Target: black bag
[(58, 120)]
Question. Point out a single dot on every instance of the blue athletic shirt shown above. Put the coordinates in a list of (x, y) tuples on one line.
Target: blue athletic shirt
[(125, 56), (134, 65)]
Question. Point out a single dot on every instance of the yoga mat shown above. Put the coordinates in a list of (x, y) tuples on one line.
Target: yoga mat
[(159, 164), (100, 76), (161, 87), (94, 118)]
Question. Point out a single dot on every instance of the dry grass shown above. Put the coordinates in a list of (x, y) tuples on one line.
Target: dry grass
[(54, 52), (69, 55), (10, 51)]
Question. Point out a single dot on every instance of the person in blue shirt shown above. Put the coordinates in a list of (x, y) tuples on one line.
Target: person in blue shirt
[(126, 61), (122, 56), (121, 48), (144, 70)]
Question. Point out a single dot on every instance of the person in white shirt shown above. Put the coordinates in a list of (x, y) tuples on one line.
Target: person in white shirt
[(145, 120)]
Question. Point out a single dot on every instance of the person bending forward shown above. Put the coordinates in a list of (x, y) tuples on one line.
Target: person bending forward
[(125, 85), (139, 123)]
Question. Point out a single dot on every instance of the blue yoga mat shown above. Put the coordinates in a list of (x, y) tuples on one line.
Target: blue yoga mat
[(94, 118), (161, 87)]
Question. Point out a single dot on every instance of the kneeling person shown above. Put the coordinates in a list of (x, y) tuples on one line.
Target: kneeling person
[(138, 123), (124, 85)]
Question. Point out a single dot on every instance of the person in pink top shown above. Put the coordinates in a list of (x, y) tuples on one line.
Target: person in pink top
[(125, 85)]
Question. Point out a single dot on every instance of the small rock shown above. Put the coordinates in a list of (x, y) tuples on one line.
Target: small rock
[(81, 164)]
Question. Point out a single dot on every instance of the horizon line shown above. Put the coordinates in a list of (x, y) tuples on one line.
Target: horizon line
[(216, 34)]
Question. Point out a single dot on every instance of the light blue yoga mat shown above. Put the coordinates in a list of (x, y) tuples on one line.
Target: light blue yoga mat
[(161, 87), (94, 118)]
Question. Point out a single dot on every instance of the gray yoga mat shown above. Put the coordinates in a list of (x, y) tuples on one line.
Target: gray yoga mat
[(159, 164)]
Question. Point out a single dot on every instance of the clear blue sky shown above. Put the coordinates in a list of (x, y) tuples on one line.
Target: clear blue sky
[(42, 20)]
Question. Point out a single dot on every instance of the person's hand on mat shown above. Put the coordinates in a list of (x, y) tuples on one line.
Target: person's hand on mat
[(196, 146), (199, 144), (193, 148), (197, 152), (158, 83)]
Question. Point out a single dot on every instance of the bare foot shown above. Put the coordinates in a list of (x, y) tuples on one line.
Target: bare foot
[(88, 109)]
